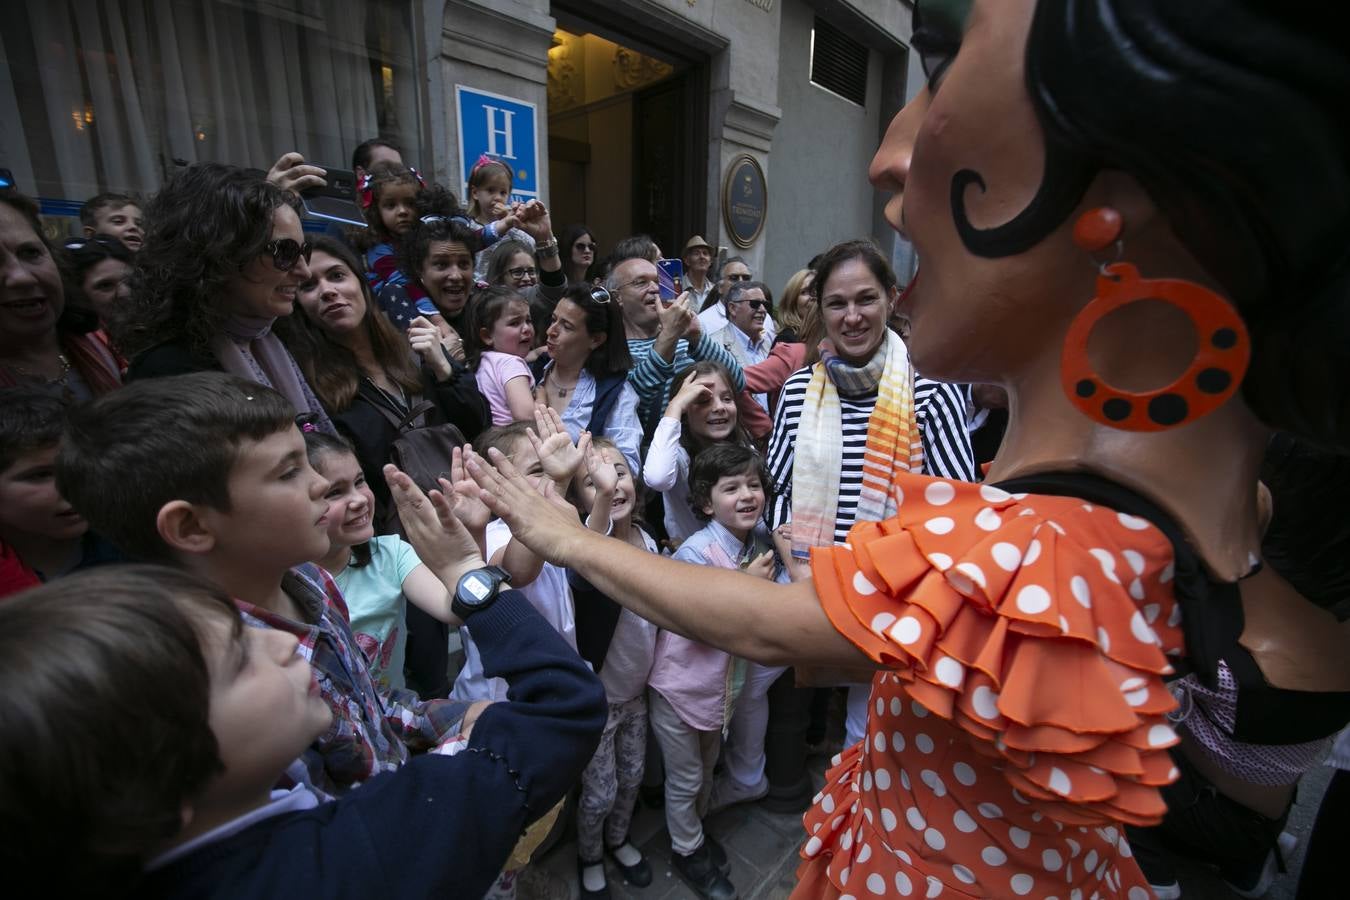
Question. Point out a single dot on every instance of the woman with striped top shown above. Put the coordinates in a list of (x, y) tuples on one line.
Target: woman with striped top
[(845, 423)]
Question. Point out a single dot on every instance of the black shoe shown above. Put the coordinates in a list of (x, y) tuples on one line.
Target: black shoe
[(700, 872), (603, 892), (719, 853), (639, 874)]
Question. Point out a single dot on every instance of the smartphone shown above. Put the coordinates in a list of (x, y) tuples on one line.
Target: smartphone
[(670, 278), (336, 201), (6, 179)]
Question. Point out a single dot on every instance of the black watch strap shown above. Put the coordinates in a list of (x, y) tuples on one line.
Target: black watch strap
[(477, 590)]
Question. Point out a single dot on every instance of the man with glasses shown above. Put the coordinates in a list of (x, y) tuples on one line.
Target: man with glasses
[(662, 338), (713, 318), (746, 306)]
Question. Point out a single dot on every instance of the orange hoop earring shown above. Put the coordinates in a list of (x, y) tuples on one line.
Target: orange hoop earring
[(1212, 377)]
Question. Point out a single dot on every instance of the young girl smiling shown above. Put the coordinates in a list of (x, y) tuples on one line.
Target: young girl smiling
[(377, 575), (702, 412)]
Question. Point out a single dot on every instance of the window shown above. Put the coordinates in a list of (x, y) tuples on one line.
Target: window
[(838, 63), (110, 96)]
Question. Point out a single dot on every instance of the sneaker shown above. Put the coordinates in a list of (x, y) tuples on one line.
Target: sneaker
[(591, 878), (700, 872), (632, 864), (727, 791), (719, 853)]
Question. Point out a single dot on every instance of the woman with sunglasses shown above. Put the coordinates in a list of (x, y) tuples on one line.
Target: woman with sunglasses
[(584, 374), (43, 341), (578, 250), (223, 258)]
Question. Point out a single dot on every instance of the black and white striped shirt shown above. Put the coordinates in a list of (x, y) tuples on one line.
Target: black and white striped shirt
[(941, 413)]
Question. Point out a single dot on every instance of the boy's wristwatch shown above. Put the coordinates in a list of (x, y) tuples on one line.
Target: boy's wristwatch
[(477, 590)]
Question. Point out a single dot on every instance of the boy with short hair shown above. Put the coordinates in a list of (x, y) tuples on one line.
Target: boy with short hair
[(41, 535), (116, 215), (694, 687), (208, 472), (146, 728)]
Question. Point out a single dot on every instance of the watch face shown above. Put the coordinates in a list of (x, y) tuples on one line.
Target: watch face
[(478, 585)]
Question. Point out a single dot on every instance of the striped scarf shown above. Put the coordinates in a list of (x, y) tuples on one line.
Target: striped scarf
[(893, 441)]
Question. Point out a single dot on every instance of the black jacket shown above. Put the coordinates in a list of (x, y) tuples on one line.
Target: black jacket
[(455, 401), (442, 826)]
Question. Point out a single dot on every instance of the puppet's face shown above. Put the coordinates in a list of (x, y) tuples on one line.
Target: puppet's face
[(973, 317)]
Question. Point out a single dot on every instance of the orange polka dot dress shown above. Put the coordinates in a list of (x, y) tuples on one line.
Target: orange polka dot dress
[(1022, 716)]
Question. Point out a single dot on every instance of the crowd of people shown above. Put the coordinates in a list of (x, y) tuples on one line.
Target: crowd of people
[(258, 482)]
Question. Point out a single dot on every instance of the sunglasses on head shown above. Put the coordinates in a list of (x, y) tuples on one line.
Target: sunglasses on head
[(286, 253), (100, 244), (599, 294)]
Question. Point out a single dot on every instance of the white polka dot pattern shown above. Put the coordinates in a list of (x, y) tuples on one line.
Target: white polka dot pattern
[(968, 594)]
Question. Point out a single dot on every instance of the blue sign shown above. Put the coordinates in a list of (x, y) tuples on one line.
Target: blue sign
[(503, 128)]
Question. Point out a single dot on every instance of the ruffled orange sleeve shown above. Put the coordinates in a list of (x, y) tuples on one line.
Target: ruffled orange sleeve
[(1039, 625)]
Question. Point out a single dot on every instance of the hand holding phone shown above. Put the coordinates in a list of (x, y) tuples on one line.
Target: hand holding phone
[(670, 278)]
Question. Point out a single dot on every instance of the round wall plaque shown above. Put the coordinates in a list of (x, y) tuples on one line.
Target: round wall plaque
[(745, 200)]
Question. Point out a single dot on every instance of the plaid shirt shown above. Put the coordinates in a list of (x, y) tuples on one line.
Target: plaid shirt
[(373, 731)]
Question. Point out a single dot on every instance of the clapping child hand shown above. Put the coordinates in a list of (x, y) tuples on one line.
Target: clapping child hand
[(558, 456), (604, 477)]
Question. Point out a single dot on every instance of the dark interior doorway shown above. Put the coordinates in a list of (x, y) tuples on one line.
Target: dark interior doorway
[(627, 136)]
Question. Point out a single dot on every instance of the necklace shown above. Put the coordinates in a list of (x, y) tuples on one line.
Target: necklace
[(65, 370), (562, 391)]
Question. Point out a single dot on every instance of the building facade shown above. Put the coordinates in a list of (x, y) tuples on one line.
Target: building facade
[(628, 115)]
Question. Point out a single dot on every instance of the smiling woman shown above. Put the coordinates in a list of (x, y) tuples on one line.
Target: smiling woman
[(223, 258), (41, 342)]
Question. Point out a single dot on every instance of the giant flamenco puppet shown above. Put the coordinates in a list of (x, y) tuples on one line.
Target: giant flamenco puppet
[(1133, 216)]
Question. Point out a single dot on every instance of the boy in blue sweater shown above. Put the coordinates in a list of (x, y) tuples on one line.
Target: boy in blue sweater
[(146, 726)]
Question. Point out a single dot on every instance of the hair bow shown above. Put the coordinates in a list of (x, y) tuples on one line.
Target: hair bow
[(309, 428), (418, 176), (483, 160)]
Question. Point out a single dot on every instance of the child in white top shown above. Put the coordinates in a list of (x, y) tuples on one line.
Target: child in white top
[(702, 412), (499, 335), (543, 452), (609, 785)]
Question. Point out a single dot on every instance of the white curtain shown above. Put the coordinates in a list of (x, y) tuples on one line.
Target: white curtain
[(102, 95)]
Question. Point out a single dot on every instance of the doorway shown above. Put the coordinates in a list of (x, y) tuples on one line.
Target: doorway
[(627, 142)]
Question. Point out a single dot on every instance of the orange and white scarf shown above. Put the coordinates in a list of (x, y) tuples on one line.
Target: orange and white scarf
[(893, 441)]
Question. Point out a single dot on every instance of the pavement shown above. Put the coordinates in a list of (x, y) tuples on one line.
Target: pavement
[(762, 847)]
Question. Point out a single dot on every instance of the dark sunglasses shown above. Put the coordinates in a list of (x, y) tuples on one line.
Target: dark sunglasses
[(754, 304), (286, 253), (745, 277), (599, 294), (583, 247)]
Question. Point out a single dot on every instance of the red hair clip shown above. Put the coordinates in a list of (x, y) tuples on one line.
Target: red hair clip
[(363, 189)]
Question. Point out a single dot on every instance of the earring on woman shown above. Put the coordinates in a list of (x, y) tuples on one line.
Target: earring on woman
[(1214, 374)]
